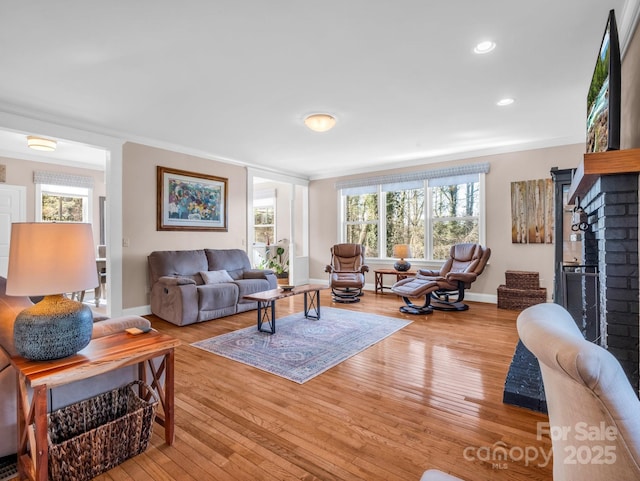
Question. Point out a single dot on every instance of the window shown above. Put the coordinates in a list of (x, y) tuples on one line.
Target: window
[(62, 197), (405, 219), (455, 216), (361, 226), (430, 211), (264, 220), (63, 204)]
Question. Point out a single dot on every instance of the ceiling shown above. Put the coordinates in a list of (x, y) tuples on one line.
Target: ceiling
[(234, 80)]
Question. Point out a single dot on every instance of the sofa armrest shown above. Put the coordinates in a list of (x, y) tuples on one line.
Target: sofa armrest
[(175, 281), (118, 324), (256, 273), (177, 304)]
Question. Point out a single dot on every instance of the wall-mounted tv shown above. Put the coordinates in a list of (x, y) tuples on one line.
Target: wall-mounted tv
[(604, 97)]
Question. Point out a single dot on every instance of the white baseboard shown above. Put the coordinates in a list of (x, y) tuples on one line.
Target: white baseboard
[(468, 295)]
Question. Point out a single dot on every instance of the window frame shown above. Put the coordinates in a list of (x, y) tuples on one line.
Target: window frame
[(86, 193), (266, 202), (429, 219)]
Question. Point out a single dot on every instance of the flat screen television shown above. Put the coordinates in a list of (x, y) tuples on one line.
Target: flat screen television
[(604, 97)]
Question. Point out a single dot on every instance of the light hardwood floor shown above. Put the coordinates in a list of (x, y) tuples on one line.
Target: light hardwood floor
[(429, 396)]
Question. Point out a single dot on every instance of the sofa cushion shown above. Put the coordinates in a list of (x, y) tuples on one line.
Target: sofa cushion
[(251, 286), (234, 261), (216, 277), (188, 263), (217, 296)]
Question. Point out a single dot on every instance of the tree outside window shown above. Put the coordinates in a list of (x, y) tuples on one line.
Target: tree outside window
[(361, 222), (430, 216), (405, 220), (264, 224), (63, 203), (455, 216)]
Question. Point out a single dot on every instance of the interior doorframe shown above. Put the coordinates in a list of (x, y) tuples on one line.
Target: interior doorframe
[(113, 179), (298, 264)]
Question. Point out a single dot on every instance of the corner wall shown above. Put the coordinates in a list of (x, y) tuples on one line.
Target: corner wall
[(504, 169), (139, 214), (630, 113)]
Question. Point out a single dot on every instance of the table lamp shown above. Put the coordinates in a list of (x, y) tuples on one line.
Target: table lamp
[(49, 259), (402, 251)]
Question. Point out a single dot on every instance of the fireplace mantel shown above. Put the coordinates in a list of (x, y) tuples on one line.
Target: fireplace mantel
[(597, 164)]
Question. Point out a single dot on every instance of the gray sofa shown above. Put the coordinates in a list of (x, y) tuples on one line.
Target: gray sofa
[(61, 396), (189, 286)]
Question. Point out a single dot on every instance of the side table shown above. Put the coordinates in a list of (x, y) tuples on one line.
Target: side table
[(102, 355), (380, 273)]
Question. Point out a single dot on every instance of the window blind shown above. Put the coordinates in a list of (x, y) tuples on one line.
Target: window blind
[(445, 176), (62, 178)]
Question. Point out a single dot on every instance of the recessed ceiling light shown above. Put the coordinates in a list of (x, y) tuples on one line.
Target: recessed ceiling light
[(504, 102), (320, 122), (38, 143), (484, 47)]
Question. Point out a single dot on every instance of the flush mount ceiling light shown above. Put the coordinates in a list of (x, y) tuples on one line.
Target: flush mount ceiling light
[(38, 143), (504, 102), (320, 122), (484, 47)]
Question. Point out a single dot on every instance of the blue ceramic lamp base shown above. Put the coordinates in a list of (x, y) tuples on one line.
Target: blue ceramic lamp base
[(54, 328), (402, 265)]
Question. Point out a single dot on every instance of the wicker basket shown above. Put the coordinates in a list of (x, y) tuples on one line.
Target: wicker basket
[(518, 299), (522, 280), (92, 436)]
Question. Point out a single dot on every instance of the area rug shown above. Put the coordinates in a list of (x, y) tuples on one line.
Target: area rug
[(303, 348)]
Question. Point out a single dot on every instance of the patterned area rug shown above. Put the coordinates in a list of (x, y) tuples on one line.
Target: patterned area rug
[(303, 348)]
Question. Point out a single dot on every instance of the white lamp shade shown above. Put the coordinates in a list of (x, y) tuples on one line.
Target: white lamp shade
[(402, 251), (51, 258)]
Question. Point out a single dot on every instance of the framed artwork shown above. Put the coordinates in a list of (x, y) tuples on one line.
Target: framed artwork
[(191, 201), (532, 214)]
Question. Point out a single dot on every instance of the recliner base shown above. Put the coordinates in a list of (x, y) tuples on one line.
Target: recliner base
[(416, 310), (411, 308), (449, 306), (346, 296), (439, 300)]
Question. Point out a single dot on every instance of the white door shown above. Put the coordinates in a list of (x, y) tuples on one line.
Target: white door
[(13, 200)]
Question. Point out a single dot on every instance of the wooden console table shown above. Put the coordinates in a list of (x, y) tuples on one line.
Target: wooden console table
[(380, 273), (102, 355)]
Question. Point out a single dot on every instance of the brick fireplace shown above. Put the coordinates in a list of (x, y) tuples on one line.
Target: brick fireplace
[(611, 244), (603, 294)]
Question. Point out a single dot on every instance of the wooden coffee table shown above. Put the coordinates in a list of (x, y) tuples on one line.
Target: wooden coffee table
[(267, 303)]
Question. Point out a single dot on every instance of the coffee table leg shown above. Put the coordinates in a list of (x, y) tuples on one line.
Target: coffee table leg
[(312, 301), (267, 315)]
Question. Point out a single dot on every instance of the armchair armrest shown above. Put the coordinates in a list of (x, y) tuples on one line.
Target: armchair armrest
[(429, 272), (364, 269), (175, 281), (464, 277)]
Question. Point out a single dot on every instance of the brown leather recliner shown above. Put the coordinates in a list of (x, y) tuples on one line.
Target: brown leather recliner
[(466, 262), (346, 272)]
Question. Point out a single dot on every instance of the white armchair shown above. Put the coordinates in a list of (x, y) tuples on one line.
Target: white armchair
[(588, 396), (594, 414)]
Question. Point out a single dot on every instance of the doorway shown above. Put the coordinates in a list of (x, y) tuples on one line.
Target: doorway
[(277, 226)]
